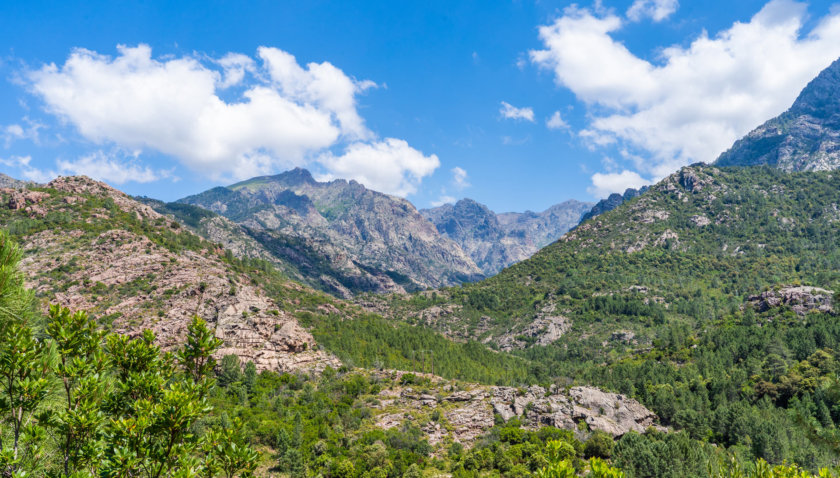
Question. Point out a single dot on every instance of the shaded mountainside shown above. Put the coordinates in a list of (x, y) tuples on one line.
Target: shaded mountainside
[(495, 241), (341, 237), (804, 138)]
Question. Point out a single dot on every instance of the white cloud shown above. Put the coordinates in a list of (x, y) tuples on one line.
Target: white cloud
[(443, 200), (697, 100), (604, 184), (390, 166), (657, 10), (508, 111), (27, 171), (100, 166), (460, 178), (14, 132), (281, 115), (556, 121)]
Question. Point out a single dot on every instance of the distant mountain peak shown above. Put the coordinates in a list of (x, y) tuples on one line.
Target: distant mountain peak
[(495, 241), (804, 138)]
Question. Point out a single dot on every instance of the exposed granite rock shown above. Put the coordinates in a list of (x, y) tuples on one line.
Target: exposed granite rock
[(801, 299), (132, 283), (470, 411), (542, 331)]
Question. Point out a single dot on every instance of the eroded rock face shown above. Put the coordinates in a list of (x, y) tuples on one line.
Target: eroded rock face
[(470, 411), (801, 299), (144, 286), (542, 331), (608, 412)]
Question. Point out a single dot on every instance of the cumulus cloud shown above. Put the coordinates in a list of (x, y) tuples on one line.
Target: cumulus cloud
[(279, 115), (390, 166), (508, 111), (444, 199), (604, 184), (26, 170), (657, 10), (460, 178), (556, 121), (695, 101), (100, 166)]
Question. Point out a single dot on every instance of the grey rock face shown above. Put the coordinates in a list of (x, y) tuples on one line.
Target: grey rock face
[(341, 236), (613, 201), (804, 138), (495, 241), (12, 183), (608, 412), (801, 299)]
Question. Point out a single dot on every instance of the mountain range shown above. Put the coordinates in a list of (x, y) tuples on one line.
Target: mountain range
[(345, 239), (495, 241), (685, 329)]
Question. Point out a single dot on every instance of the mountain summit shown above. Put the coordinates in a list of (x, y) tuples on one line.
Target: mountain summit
[(342, 237), (804, 138)]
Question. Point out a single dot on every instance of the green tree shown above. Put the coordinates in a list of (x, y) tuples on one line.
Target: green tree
[(24, 368), (80, 365)]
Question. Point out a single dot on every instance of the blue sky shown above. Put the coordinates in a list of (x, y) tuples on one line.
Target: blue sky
[(516, 104)]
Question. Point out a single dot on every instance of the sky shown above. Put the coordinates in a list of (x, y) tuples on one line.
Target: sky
[(517, 104)]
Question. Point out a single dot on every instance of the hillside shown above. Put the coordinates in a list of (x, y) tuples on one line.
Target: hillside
[(342, 237), (495, 241), (709, 298), (90, 247), (804, 138), (692, 230)]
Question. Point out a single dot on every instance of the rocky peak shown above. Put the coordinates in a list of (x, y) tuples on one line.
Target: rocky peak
[(12, 183), (345, 237), (83, 185), (612, 201), (820, 99), (804, 138)]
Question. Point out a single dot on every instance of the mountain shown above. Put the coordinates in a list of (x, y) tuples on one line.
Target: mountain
[(90, 247), (611, 202), (804, 138), (706, 298), (495, 241), (340, 236)]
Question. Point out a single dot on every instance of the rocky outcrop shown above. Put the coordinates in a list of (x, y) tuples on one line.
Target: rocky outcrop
[(804, 138), (544, 330), (344, 237), (469, 410), (8, 182), (801, 299)]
